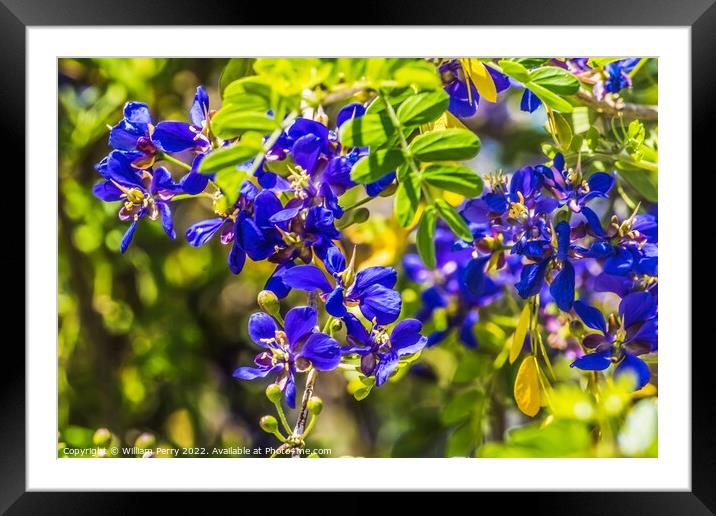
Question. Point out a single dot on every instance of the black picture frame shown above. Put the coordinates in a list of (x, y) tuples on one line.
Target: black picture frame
[(17, 15)]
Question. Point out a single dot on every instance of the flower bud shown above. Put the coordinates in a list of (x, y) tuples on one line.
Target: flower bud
[(273, 393), (268, 424), (315, 405), (145, 440), (336, 324), (102, 437), (268, 301)]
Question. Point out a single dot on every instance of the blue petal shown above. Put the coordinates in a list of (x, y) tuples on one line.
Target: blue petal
[(349, 112), (635, 366), (563, 239), (621, 263), (467, 335), (266, 205), (590, 316), (137, 113), (253, 240), (299, 322), (275, 282), (496, 202), (237, 258), (376, 187), (124, 135), (334, 303), (531, 279), (262, 328), (380, 303), (306, 151), (530, 102), (335, 261), (593, 221), (167, 221), (388, 363), (473, 276), (637, 307), (200, 106), (405, 339), (107, 191), (201, 232), (308, 278), (290, 390), (127, 239), (600, 182), (594, 361), (620, 285), (415, 269), (163, 184), (251, 373), (355, 330), (323, 352), (562, 287), (118, 167), (385, 276), (174, 136)]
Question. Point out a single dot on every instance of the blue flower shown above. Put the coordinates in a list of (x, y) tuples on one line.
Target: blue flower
[(571, 190), (533, 275), (464, 102), (136, 134), (145, 193), (246, 226), (380, 352), (620, 339), (370, 289), (308, 233), (295, 348)]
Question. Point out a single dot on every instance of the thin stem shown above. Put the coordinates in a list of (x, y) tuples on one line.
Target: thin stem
[(403, 142), (625, 109), (357, 204), (311, 423), (303, 413), (281, 448), (282, 417), (170, 159)]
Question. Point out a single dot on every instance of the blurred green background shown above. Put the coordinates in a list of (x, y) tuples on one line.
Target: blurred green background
[(148, 340)]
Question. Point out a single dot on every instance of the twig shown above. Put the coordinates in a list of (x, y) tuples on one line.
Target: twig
[(303, 413), (616, 108)]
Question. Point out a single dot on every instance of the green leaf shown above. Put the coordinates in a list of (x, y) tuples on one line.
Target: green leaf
[(458, 179), (462, 441), (247, 102), (407, 197), (424, 238), (252, 85), (518, 338), (460, 406), (453, 219), (235, 69), (231, 121), (563, 131), (354, 216), (531, 62), (423, 107), (420, 74), (376, 165), (229, 180), (557, 80), (551, 99), (580, 120), (366, 131), (515, 70), (224, 157), (643, 181), (446, 144)]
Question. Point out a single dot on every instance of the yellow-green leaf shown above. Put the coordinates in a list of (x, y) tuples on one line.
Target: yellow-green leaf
[(527, 391), (481, 78), (518, 338)]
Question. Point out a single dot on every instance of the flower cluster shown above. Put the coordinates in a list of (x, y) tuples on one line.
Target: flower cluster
[(543, 233), (537, 230)]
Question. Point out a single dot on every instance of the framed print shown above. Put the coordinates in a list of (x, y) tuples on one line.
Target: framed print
[(425, 255)]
